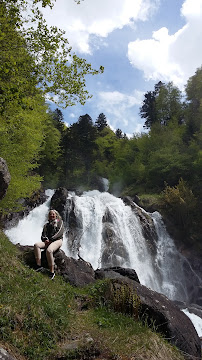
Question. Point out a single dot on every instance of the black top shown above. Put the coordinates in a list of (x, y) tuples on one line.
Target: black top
[(53, 230)]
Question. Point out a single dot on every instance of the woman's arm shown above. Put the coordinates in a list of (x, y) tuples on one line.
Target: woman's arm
[(44, 233), (59, 233)]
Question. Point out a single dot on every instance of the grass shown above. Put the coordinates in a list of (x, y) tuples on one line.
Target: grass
[(47, 320)]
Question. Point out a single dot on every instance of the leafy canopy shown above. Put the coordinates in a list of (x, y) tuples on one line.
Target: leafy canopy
[(59, 72)]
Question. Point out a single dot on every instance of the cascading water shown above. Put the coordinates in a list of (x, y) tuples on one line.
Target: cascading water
[(109, 233), (170, 263), (125, 247)]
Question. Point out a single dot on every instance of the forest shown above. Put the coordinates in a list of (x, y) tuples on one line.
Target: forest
[(41, 151)]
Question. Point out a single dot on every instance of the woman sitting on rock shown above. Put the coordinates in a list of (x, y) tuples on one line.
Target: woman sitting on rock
[(51, 240)]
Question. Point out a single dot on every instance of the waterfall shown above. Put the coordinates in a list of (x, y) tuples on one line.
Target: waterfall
[(126, 247), (109, 233), (28, 230), (170, 263)]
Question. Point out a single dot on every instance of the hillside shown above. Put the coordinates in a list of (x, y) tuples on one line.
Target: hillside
[(43, 319)]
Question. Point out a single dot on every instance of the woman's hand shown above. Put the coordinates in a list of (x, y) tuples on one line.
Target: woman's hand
[(47, 242)]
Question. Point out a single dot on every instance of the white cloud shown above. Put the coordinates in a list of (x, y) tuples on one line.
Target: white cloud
[(171, 57), (115, 100), (98, 18), (72, 115), (118, 106)]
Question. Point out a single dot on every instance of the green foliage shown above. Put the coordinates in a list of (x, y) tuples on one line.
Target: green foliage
[(104, 152), (163, 105), (60, 71), (123, 299), (194, 108), (168, 105), (147, 110), (35, 313), (101, 122), (17, 77), (50, 151), (181, 203), (35, 62), (21, 136), (78, 145)]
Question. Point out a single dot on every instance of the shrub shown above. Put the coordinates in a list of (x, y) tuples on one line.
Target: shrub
[(180, 203)]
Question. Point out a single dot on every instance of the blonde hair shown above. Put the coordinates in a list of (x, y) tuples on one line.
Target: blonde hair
[(56, 213)]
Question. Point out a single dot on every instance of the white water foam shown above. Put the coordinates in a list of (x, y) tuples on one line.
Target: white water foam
[(28, 230), (196, 320), (90, 209)]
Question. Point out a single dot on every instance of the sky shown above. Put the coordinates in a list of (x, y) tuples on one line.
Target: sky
[(139, 42)]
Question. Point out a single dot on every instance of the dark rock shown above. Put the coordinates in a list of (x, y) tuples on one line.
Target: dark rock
[(113, 250), (5, 178), (136, 199), (180, 304), (165, 317), (107, 217), (73, 226), (97, 183), (4, 355), (76, 272), (28, 204), (58, 201), (116, 272), (193, 283), (195, 263), (195, 309)]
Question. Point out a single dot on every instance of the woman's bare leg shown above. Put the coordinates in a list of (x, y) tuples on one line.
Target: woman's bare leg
[(37, 251), (55, 245)]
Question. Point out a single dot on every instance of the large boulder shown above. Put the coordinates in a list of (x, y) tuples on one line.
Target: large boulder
[(58, 201), (5, 178), (117, 272), (158, 312), (76, 272), (169, 320)]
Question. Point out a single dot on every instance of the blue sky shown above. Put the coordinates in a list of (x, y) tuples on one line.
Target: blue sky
[(139, 42)]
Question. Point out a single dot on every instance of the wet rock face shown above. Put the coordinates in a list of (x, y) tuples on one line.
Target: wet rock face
[(97, 183), (58, 201), (12, 219), (148, 228), (114, 252), (4, 355), (116, 272), (5, 178), (159, 311)]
